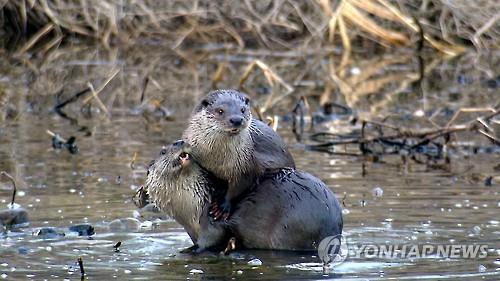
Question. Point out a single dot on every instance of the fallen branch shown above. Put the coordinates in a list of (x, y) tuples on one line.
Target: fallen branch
[(412, 141)]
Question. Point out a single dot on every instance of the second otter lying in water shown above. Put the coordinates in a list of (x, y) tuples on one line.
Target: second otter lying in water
[(286, 210)]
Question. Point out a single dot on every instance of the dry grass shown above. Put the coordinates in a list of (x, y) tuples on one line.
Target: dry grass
[(291, 24)]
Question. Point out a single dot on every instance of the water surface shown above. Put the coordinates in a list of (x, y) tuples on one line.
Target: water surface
[(421, 203)]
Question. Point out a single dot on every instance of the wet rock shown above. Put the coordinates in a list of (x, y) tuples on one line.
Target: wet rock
[(83, 229), (125, 224), (255, 262), (147, 224), (49, 233), (136, 214), (149, 213), (496, 168), (22, 250), (492, 83), (196, 271), (476, 229), (464, 79), (151, 208), (488, 181), (13, 217)]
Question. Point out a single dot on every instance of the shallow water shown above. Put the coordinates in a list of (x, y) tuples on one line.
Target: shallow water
[(420, 203)]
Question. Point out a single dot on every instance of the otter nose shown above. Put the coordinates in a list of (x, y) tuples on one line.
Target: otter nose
[(178, 143), (236, 121)]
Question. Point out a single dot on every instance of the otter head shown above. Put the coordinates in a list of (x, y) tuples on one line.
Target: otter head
[(174, 161), (228, 110)]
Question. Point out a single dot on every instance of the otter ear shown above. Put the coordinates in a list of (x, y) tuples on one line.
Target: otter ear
[(204, 103)]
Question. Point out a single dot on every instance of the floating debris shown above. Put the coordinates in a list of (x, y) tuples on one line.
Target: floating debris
[(363, 203), (377, 192), (71, 145), (117, 246), (59, 142), (80, 264)]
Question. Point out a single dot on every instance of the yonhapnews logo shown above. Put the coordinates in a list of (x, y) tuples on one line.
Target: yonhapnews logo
[(335, 249)]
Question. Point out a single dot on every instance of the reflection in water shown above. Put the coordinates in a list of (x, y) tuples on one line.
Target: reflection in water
[(146, 106)]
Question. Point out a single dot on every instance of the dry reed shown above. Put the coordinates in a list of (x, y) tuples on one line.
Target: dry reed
[(292, 24)]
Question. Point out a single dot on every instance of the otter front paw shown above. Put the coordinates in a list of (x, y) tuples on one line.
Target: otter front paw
[(221, 211)]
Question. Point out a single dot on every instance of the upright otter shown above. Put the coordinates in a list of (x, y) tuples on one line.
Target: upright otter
[(285, 210), (232, 145)]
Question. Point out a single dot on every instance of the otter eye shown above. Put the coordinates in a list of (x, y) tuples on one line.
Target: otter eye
[(163, 151), (247, 101), (243, 110), (220, 111)]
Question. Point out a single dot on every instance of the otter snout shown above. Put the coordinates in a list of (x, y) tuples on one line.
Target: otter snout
[(236, 121)]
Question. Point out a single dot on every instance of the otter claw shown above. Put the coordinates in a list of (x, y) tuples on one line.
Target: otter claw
[(217, 212)]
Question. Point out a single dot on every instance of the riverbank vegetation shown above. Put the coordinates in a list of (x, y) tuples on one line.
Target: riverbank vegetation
[(447, 26)]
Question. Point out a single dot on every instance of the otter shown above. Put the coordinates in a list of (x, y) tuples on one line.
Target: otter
[(232, 145), (183, 191), (284, 210)]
